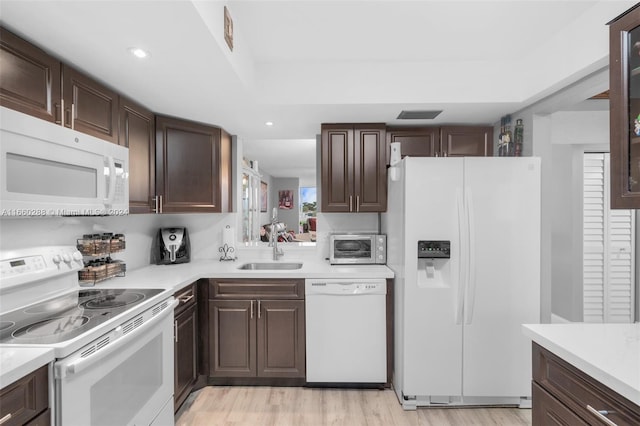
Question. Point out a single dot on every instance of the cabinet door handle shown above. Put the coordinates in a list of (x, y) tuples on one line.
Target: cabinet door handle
[(601, 415), (258, 309), (158, 201), (6, 418), (350, 203), (252, 309), (358, 203), (175, 330), (185, 299), (73, 116), (66, 116), (62, 112), (58, 118)]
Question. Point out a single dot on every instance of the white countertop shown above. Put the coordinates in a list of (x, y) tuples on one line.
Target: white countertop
[(18, 362), (610, 353), (179, 275)]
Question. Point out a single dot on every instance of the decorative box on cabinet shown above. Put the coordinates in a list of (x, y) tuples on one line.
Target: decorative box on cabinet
[(624, 94), (26, 401), (563, 394), (89, 106), (29, 78), (193, 167), (185, 344), (256, 330), (354, 159)]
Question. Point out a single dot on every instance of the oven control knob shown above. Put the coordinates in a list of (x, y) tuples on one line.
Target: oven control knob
[(66, 258), (77, 256), (57, 259)]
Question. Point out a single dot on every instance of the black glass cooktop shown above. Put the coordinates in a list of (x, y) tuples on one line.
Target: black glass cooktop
[(68, 316)]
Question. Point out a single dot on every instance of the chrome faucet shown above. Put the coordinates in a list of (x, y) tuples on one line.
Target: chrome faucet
[(277, 252)]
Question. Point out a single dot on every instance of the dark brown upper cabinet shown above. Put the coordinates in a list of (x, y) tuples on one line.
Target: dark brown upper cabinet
[(89, 106), (193, 172), (624, 92), (137, 132), (354, 158), (466, 141), (447, 141), (35, 83), (29, 78), (414, 141)]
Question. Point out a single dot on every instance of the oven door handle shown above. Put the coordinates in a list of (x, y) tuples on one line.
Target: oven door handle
[(63, 370)]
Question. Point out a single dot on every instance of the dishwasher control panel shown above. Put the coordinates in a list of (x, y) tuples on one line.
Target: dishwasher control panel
[(345, 287)]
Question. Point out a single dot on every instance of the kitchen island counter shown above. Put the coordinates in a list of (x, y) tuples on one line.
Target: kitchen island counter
[(609, 353)]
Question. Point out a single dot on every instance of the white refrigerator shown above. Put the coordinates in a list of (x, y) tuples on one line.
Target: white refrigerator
[(458, 315)]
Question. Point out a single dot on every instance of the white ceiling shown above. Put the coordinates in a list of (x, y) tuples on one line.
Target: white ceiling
[(301, 63)]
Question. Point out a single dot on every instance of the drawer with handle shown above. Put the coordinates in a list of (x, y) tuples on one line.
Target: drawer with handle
[(186, 297), (23, 400), (594, 402)]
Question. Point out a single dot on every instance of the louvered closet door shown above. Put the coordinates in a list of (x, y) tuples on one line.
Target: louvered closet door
[(608, 247)]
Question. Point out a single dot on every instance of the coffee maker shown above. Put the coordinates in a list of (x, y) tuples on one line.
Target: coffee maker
[(171, 245)]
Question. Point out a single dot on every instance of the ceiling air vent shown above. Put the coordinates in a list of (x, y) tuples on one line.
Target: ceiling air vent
[(418, 115)]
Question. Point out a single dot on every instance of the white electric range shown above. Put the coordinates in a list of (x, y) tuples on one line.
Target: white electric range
[(113, 347)]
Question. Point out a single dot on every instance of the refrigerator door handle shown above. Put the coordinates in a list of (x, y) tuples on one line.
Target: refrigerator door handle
[(471, 272), (462, 258)]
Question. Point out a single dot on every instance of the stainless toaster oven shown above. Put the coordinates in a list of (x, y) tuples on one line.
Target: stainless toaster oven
[(357, 249)]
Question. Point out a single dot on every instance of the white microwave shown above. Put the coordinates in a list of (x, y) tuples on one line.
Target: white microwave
[(50, 170)]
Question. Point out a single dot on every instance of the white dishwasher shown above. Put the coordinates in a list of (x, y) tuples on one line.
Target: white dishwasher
[(346, 330)]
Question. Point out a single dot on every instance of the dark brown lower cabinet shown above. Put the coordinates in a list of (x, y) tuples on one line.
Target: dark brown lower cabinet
[(257, 338), (233, 338), (547, 410), (185, 345), (281, 338), (256, 330), (565, 395), (26, 401)]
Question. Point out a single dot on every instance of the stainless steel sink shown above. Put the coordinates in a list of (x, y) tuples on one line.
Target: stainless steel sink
[(271, 266)]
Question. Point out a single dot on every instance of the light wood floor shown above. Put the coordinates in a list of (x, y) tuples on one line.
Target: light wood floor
[(297, 406)]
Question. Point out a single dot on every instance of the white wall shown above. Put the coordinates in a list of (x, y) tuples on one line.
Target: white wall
[(573, 133), (559, 137)]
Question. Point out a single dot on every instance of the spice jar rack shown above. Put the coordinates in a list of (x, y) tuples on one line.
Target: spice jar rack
[(98, 249), (100, 244)]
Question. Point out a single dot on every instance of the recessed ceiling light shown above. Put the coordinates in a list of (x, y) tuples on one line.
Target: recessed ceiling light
[(269, 123), (138, 53)]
